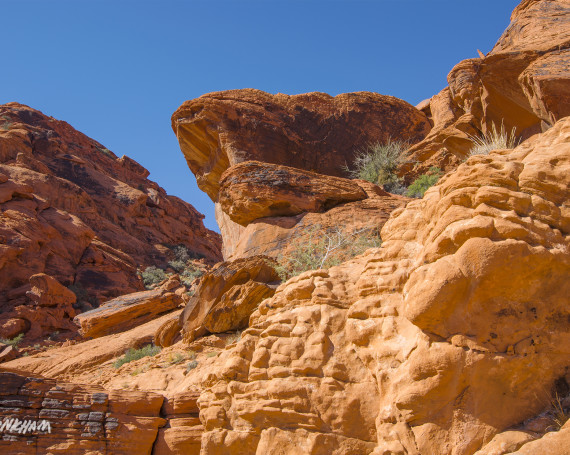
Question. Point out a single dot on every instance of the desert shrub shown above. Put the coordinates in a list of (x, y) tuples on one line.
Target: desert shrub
[(189, 274), (135, 354), (178, 357), (177, 265), (85, 301), (191, 365), (324, 248), (493, 140), (152, 275), (14, 341), (423, 182), (379, 163)]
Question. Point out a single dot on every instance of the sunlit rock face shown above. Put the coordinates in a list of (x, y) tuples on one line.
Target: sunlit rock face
[(522, 84), (432, 344)]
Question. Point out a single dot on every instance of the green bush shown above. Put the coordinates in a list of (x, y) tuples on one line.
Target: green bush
[(14, 341), (493, 140), (152, 275), (421, 184), (322, 248), (135, 354), (379, 163), (189, 274), (177, 266)]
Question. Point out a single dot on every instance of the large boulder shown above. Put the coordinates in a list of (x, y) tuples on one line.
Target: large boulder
[(314, 131), (227, 295), (130, 310), (452, 332), (48, 309), (252, 190)]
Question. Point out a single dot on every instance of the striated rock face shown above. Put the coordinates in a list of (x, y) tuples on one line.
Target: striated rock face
[(313, 131), (73, 210), (524, 83), (183, 433), (76, 419), (447, 335), (253, 190), (131, 310)]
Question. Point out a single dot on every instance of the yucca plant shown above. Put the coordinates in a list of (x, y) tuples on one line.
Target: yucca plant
[(494, 139)]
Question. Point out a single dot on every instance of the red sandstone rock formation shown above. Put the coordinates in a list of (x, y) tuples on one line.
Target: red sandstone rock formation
[(73, 210), (131, 310)]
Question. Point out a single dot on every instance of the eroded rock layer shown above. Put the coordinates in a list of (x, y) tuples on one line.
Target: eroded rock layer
[(447, 335)]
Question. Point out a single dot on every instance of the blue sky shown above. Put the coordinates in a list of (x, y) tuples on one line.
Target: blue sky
[(117, 70)]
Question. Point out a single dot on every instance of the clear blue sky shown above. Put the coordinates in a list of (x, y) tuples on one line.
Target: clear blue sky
[(117, 70)]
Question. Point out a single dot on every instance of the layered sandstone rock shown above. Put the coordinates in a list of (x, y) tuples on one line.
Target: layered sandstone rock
[(130, 310), (447, 335), (55, 417), (313, 131), (73, 210), (523, 83), (253, 190), (182, 435)]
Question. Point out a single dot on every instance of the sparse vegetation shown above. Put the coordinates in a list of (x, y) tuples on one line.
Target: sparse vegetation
[(14, 341), (152, 276), (233, 338), (135, 354), (378, 164), (560, 413), (181, 264), (106, 151), (191, 365), (322, 248), (211, 354), (421, 184), (6, 123), (493, 140), (178, 357)]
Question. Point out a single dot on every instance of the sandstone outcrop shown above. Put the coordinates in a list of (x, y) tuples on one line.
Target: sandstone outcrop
[(523, 83), (49, 309), (54, 417), (252, 190), (280, 236), (227, 295), (182, 435), (73, 210), (313, 131), (452, 332), (83, 362), (130, 310)]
